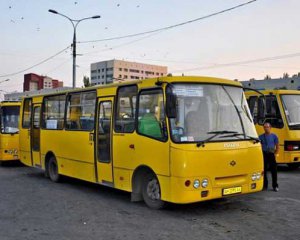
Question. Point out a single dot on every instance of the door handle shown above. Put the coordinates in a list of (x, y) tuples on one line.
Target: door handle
[(91, 137)]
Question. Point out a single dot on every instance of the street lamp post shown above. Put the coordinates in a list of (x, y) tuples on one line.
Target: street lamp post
[(75, 23)]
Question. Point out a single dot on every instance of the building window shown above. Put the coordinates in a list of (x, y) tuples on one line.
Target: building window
[(134, 70), (125, 69), (99, 70), (81, 111), (53, 112), (120, 69), (109, 69), (93, 71), (125, 76), (103, 69)]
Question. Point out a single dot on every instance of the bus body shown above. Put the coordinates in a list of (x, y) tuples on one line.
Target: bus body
[(283, 113), (170, 139), (9, 135)]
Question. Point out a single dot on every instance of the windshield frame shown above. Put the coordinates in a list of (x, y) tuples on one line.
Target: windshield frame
[(1, 119), (242, 137), (283, 104)]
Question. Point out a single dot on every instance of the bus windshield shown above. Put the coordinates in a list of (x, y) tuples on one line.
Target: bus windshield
[(204, 110), (291, 104), (10, 119)]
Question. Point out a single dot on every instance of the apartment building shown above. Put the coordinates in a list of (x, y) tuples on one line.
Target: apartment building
[(111, 71), (35, 82)]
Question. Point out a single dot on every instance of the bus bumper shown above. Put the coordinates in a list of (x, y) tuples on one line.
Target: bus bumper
[(290, 157), (175, 190)]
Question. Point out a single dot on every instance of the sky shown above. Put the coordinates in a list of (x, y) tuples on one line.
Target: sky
[(263, 29)]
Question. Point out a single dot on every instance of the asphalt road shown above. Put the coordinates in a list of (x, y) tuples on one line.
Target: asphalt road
[(32, 207)]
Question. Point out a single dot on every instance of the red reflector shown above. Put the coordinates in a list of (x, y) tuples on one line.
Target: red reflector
[(187, 183), (290, 147)]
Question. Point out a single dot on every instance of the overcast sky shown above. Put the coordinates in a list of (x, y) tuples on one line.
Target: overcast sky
[(265, 28)]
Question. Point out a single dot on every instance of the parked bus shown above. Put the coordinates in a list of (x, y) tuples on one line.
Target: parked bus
[(283, 112), (9, 135), (170, 139)]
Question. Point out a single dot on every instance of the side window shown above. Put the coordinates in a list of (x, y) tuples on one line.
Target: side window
[(26, 122), (253, 106), (151, 114), (36, 117), (273, 114), (81, 111), (53, 112), (125, 109), (104, 132)]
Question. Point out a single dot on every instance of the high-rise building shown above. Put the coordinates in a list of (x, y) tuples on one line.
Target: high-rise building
[(34, 82), (118, 70)]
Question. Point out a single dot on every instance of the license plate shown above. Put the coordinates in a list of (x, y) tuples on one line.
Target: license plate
[(234, 190), (16, 156)]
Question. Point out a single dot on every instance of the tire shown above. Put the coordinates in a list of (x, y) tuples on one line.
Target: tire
[(52, 170), (151, 192), (293, 166)]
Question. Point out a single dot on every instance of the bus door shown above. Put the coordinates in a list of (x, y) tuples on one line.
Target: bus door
[(35, 135), (103, 142)]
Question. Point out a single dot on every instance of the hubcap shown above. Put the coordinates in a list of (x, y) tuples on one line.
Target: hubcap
[(153, 190)]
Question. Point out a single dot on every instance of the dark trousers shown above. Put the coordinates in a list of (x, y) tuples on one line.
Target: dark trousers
[(270, 164)]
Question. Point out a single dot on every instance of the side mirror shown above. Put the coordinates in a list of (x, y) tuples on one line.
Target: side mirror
[(171, 102), (261, 111)]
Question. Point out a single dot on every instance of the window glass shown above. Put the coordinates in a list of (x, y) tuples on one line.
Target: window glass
[(104, 132), (273, 115), (291, 104), (151, 114), (125, 113), (53, 112), (10, 119), (36, 117), (206, 111), (81, 111), (26, 113)]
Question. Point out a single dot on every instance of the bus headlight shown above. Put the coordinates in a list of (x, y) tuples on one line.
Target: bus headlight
[(253, 177), (196, 183), (204, 183), (256, 176)]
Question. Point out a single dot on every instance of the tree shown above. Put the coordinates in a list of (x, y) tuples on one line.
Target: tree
[(86, 81), (286, 75), (267, 77)]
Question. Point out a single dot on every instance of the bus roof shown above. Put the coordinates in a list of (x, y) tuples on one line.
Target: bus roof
[(152, 82), (274, 92)]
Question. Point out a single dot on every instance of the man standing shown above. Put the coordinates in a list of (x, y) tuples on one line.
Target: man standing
[(270, 147)]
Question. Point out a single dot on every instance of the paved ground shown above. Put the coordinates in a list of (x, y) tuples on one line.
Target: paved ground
[(32, 207)]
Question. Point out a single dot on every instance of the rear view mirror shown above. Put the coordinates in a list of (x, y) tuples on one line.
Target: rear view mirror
[(261, 111), (171, 102)]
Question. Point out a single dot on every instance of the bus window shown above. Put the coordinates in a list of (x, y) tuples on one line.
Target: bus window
[(10, 119), (26, 113), (104, 133), (125, 110), (273, 115), (81, 111), (151, 114), (53, 112)]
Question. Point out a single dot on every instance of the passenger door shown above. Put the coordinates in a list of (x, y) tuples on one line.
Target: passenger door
[(35, 135), (103, 142)]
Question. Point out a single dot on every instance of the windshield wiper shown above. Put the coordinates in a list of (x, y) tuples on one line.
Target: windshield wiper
[(242, 134), (216, 133)]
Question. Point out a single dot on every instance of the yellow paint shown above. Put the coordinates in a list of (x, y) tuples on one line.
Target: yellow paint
[(9, 143), (173, 164), (284, 134)]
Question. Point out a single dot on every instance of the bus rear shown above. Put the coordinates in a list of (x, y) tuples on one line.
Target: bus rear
[(283, 112), (9, 136)]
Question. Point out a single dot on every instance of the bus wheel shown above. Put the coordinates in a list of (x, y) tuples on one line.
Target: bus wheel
[(53, 170), (293, 166), (151, 192)]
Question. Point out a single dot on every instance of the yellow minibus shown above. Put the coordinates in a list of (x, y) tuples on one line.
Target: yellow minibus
[(283, 112), (168, 139), (9, 134)]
